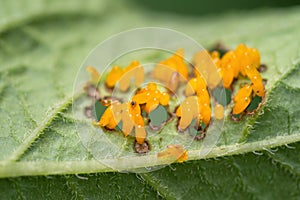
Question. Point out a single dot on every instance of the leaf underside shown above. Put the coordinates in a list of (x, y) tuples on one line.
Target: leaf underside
[(256, 158)]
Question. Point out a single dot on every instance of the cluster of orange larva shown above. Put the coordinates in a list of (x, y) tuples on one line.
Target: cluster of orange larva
[(210, 72), (243, 61), (196, 105), (130, 113)]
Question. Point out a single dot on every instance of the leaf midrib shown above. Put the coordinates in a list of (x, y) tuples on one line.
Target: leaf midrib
[(30, 168)]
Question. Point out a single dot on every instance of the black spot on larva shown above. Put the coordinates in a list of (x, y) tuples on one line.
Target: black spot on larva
[(141, 148)]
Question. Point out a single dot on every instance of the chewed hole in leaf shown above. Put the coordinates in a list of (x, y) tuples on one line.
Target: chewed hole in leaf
[(222, 96), (159, 116), (254, 104), (99, 109)]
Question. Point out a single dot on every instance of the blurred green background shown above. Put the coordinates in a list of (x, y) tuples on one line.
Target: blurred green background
[(199, 7)]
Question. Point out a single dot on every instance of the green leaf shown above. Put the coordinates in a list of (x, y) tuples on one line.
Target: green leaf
[(43, 43)]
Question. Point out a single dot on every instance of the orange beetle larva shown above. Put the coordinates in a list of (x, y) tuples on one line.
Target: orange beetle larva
[(193, 107), (242, 99), (124, 76), (129, 114), (174, 151), (172, 70), (95, 75), (152, 97), (219, 111)]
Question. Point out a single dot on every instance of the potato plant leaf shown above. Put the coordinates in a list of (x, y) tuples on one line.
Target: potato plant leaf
[(42, 44)]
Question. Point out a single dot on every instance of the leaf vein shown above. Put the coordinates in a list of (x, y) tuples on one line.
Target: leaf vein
[(38, 130)]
